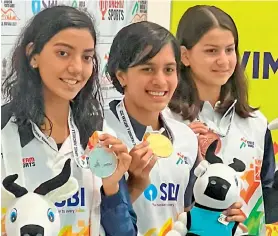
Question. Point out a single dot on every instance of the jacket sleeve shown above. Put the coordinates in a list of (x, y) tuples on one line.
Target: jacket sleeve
[(117, 215), (268, 166)]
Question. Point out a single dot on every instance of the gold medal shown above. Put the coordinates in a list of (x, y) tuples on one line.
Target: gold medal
[(206, 140), (160, 145)]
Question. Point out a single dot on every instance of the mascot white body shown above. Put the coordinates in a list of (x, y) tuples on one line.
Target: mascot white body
[(34, 213)]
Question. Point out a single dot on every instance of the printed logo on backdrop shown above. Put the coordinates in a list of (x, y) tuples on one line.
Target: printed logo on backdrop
[(139, 11), (9, 16), (112, 10), (263, 63), (105, 83), (39, 5)]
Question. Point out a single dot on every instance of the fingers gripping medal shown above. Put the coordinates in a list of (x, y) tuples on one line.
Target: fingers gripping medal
[(101, 162), (160, 144)]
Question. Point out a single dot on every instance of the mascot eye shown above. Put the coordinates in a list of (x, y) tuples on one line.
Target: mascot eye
[(213, 182), (225, 186), (13, 215), (50, 215)]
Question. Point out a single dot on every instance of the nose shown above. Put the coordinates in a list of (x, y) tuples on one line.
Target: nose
[(217, 188), (32, 230), (75, 66), (223, 59), (159, 79)]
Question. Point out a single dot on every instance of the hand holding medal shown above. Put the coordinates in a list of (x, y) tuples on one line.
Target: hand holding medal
[(107, 157), (144, 156), (206, 137), (160, 144)]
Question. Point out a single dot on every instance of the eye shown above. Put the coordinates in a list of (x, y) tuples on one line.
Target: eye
[(50, 215), (13, 215), (211, 50), (225, 186), (230, 49), (147, 69), (213, 182), (88, 58), (169, 70), (63, 53)]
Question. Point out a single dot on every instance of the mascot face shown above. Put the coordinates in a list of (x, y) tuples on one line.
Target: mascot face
[(42, 218), (218, 185), (34, 213)]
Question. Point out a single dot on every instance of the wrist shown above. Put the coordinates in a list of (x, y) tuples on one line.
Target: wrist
[(110, 189), (140, 183)]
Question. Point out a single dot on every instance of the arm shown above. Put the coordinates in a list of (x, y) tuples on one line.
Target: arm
[(117, 215), (268, 166)]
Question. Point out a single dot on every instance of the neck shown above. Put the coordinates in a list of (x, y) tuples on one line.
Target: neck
[(56, 123), (208, 93), (144, 117)]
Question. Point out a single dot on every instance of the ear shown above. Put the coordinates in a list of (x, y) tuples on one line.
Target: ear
[(121, 76), (35, 58), (238, 165), (64, 192), (201, 168), (210, 154), (184, 56), (10, 185)]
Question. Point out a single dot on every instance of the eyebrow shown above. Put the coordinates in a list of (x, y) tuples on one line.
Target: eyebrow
[(71, 47), (212, 45), (168, 64)]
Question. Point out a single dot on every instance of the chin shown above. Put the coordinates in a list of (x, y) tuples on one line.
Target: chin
[(221, 81), (157, 107), (68, 97)]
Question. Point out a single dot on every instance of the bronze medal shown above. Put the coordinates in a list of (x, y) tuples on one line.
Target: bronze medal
[(206, 140)]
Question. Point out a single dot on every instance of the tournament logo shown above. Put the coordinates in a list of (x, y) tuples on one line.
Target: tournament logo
[(182, 159), (246, 143), (112, 10)]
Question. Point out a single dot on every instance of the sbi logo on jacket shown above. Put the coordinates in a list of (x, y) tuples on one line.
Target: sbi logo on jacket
[(77, 199), (165, 192)]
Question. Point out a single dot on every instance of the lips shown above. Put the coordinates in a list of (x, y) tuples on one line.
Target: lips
[(157, 93), (70, 81)]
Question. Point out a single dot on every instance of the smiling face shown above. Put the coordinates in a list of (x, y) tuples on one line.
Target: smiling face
[(150, 86), (65, 65), (213, 59)]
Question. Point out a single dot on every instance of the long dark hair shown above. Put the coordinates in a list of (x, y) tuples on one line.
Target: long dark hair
[(23, 85), (136, 44), (193, 25)]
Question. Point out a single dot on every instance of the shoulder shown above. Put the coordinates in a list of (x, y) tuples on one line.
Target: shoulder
[(6, 115), (259, 117), (257, 121), (170, 114)]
